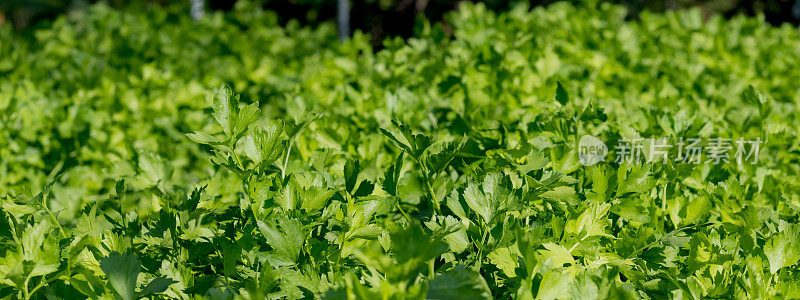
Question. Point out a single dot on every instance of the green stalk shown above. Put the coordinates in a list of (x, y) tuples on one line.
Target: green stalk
[(436, 208), (402, 211), (53, 217), (42, 284), (427, 179), (286, 160)]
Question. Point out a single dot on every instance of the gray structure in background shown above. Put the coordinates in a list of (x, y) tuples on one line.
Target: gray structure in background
[(197, 9), (796, 9), (343, 18)]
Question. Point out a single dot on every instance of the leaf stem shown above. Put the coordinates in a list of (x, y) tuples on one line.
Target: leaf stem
[(436, 208), (402, 211), (427, 178), (235, 156), (286, 160), (52, 217), (25, 293), (42, 283)]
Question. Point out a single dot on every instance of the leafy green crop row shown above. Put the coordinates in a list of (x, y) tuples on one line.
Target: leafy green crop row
[(443, 166)]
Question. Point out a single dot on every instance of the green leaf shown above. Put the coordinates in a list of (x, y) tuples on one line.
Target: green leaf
[(225, 105), (415, 144), (593, 221), (556, 255), (365, 188), (155, 169), (561, 194), (265, 145), (204, 138), (479, 203), (783, 249), (440, 159), (315, 196), (289, 196), (535, 160), (231, 253), (351, 171), (454, 233), (494, 196), (601, 183), (157, 285), (412, 248), (122, 271), (32, 240), (38, 252), (453, 203), (554, 285), (458, 283), (504, 259), (753, 96), (294, 127), (561, 94), (392, 176), (634, 179), (286, 239), (370, 231), (406, 147)]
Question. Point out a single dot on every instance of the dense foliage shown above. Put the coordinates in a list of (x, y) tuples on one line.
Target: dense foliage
[(444, 166)]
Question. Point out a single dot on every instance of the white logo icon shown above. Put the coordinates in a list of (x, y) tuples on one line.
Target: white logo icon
[(591, 150)]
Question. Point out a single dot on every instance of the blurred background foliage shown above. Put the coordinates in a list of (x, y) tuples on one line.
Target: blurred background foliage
[(388, 18)]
